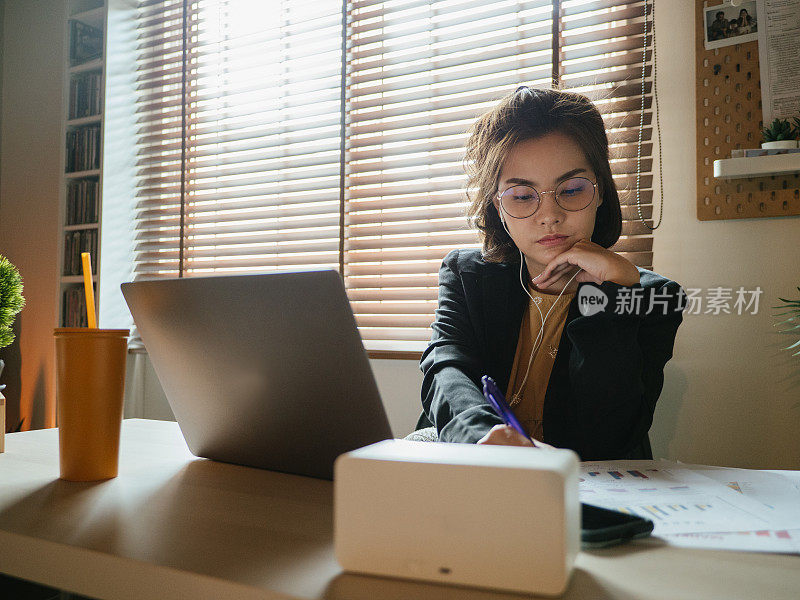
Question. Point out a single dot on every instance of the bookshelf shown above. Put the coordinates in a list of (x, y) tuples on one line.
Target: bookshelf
[(82, 182)]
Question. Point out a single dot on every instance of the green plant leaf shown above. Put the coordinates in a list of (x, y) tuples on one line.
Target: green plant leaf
[(785, 321), (791, 307), (795, 345), (6, 337), (11, 299), (779, 129), (781, 323)]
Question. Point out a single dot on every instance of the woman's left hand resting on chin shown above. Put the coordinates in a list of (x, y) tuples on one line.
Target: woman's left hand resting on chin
[(599, 264), (505, 435)]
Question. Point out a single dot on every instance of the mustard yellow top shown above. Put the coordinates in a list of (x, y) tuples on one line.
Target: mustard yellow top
[(528, 402)]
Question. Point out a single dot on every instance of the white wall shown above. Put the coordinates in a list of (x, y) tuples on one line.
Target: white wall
[(731, 396), (30, 177)]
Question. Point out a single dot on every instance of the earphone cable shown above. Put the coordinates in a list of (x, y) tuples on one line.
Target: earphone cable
[(516, 396)]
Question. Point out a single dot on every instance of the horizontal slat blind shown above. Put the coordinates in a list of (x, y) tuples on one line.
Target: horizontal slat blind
[(262, 137), (159, 135), (601, 57), (257, 172), (418, 74)]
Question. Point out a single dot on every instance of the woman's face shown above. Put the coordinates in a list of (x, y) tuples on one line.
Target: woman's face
[(543, 163)]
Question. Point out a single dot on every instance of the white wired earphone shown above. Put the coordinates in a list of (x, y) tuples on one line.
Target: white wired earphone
[(536, 301)]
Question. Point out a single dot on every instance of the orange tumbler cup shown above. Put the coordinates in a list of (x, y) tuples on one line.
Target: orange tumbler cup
[(90, 386)]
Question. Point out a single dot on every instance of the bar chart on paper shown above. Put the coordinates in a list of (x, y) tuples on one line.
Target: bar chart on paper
[(676, 501), (689, 507), (674, 518)]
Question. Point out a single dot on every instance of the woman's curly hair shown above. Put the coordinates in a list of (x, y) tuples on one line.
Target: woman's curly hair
[(530, 113)]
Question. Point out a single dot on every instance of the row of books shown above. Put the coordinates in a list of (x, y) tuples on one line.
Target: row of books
[(85, 98), (82, 201), (85, 42), (83, 154), (83, 148), (73, 309), (75, 242)]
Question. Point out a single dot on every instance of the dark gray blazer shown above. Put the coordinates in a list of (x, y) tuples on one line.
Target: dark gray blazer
[(607, 375)]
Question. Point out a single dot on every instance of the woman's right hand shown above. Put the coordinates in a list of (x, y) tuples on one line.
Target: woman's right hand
[(505, 435)]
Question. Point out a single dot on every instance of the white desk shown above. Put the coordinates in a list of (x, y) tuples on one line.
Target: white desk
[(174, 526)]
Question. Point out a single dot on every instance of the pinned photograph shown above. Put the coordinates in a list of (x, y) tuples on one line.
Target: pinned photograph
[(726, 24)]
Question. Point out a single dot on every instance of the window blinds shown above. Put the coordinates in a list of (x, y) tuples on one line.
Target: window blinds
[(258, 154), (242, 166), (601, 57), (418, 74)]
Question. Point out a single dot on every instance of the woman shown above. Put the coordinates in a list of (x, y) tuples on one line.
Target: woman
[(547, 211), (718, 28), (745, 22)]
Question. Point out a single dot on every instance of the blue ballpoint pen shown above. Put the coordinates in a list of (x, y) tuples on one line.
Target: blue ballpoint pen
[(495, 397)]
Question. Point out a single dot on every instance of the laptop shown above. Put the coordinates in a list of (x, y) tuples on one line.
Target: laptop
[(261, 370)]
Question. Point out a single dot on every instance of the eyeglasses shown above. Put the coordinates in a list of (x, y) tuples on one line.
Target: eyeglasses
[(522, 201)]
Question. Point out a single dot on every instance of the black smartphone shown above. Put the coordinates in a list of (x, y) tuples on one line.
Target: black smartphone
[(601, 527)]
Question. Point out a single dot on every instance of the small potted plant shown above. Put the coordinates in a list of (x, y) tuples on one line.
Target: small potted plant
[(780, 134), (11, 302), (792, 322)]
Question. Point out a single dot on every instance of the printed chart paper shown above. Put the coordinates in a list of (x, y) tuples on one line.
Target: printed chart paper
[(691, 505), (779, 495)]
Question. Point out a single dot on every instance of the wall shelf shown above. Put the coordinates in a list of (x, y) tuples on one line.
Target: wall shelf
[(85, 120), (94, 16), (80, 226), (71, 279), (94, 64), (79, 174), (757, 166)]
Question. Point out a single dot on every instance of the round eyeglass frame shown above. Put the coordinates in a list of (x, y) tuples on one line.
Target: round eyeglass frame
[(540, 194)]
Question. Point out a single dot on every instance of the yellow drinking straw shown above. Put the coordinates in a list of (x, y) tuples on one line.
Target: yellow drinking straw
[(87, 286)]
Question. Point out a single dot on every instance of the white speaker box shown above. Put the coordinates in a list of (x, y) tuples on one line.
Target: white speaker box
[(500, 517)]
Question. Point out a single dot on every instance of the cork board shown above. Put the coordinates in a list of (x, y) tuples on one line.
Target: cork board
[(729, 116)]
